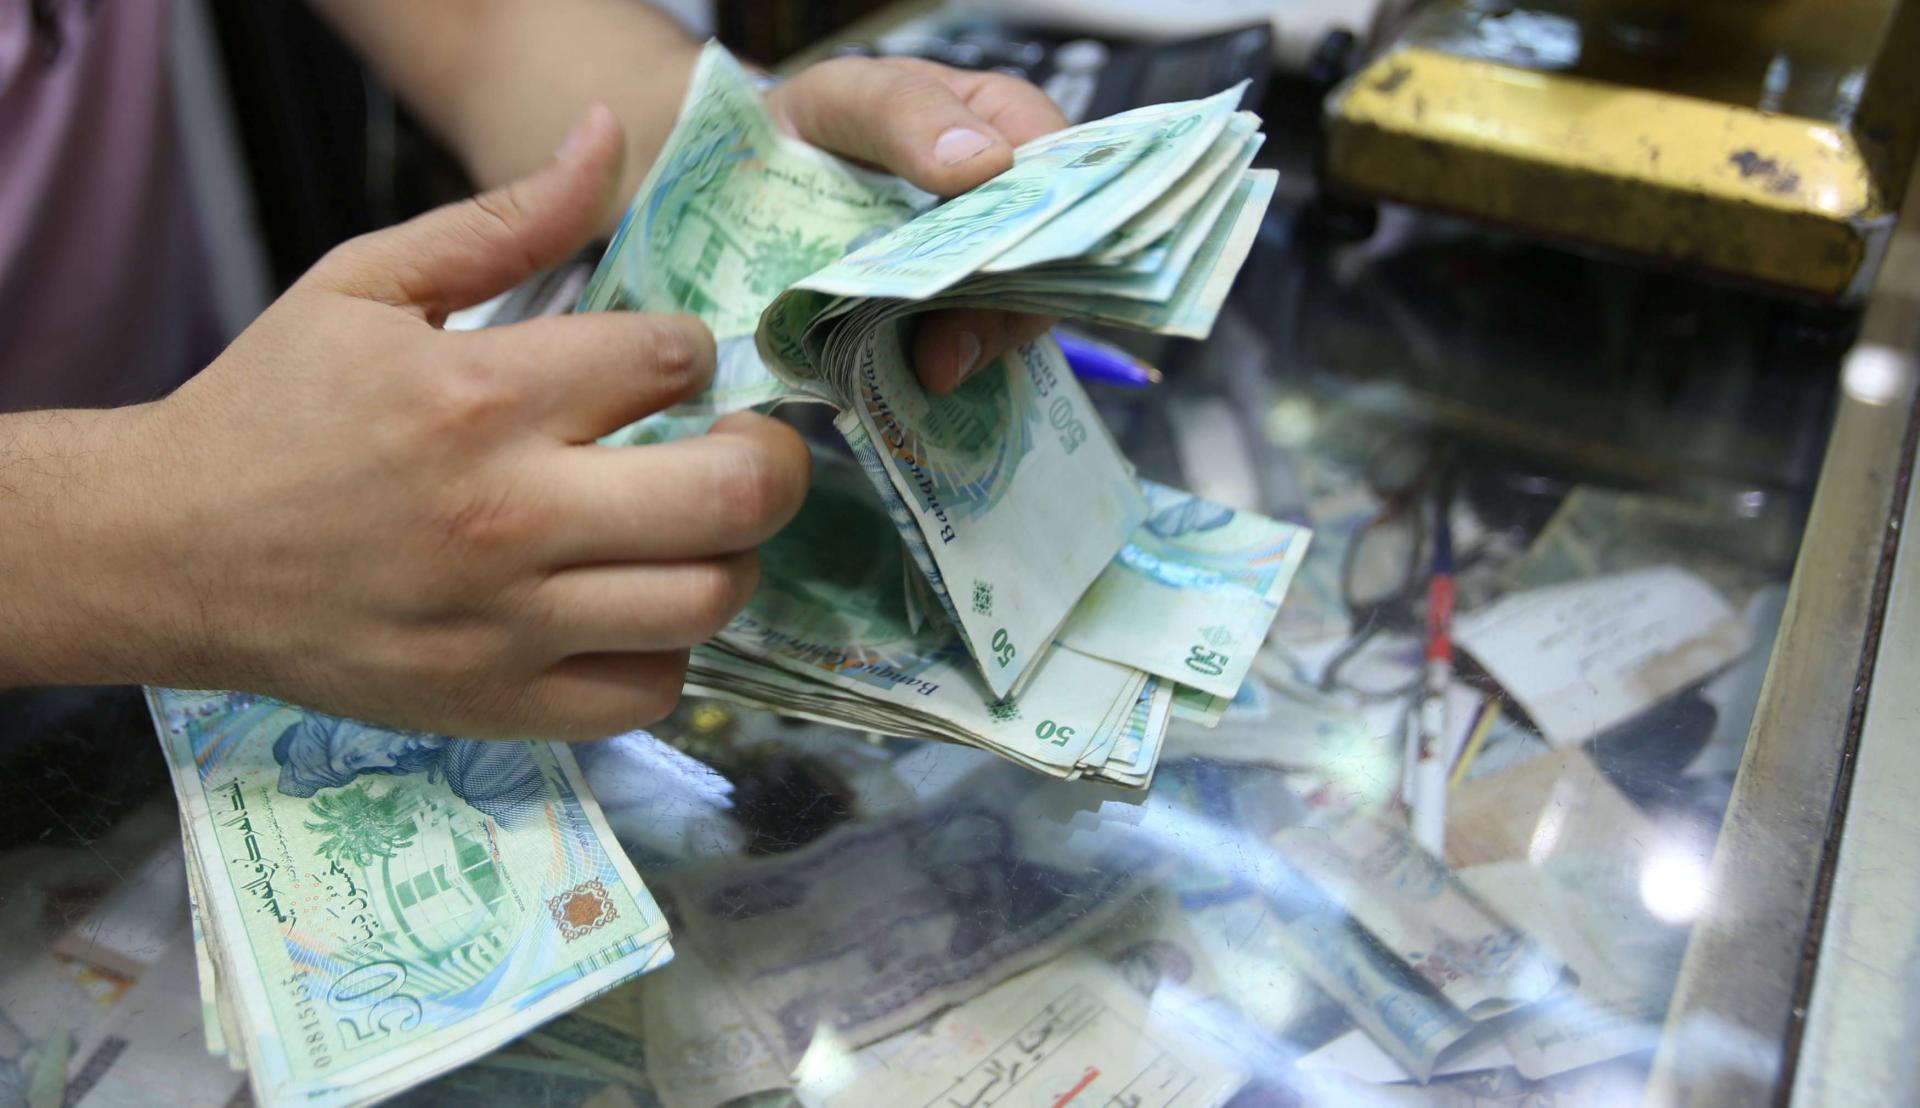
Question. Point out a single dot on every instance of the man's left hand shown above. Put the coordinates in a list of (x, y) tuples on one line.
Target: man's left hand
[(945, 130)]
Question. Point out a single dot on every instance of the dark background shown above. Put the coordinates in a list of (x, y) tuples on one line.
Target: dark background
[(332, 154)]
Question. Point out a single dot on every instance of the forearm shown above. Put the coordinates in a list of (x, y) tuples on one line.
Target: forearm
[(84, 597), (503, 80)]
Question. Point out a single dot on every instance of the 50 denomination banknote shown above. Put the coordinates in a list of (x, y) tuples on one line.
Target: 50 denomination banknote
[(382, 906)]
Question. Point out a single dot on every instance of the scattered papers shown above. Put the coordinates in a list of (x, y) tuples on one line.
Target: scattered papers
[(1582, 657)]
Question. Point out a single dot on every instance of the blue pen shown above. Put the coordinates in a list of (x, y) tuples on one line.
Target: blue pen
[(1093, 360)]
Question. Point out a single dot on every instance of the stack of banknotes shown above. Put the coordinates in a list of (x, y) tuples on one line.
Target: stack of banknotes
[(373, 908), (1041, 601)]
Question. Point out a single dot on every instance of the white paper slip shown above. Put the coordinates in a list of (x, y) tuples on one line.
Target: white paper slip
[(1582, 657), (1071, 1033)]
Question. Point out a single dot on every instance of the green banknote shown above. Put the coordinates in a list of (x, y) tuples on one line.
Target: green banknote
[(1223, 162), (1042, 195), (382, 906), (1189, 311), (1191, 595), (982, 472), (828, 625), (732, 212), (1154, 271), (1009, 498)]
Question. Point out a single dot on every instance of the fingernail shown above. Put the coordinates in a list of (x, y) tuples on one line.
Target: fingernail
[(576, 139), (966, 350), (957, 144)]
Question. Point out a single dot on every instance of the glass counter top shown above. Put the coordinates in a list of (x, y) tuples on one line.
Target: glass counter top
[(1628, 462)]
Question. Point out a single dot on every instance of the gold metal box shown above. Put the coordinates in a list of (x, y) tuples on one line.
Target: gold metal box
[(1767, 140)]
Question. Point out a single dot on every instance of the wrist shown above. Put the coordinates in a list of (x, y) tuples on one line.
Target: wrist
[(89, 595)]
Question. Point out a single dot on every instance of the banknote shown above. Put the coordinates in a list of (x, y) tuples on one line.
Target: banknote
[(1193, 305), (873, 927), (1397, 1008), (1418, 960), (829, 609), (731, 213), (1184, 204), (1586, 907), (1176, 137), (1419, 910), (382, 906), (1053, 176), (1166, 257), (982, 471), (1009, 496), (1212, 578)]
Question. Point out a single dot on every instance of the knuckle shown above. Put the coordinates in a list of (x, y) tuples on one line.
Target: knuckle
[(366, 267), (470, 654), (465, 394), (488, 521), (748, 487), (657, 692), (714, 593), (762, 482), (499, 211), (682, 353), (908, 92)]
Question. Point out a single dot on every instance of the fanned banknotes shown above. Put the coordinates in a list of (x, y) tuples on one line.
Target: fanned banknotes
[(1040, 601), (376, 907)]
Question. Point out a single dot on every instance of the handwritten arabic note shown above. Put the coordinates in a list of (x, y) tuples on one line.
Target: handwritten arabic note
[(1582, 657), (1070, 1034)]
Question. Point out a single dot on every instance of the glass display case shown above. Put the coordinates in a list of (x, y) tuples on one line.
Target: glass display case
[(1675, 510)]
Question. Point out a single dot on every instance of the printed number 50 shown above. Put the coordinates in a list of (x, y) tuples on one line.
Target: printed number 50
[(1210, 662), (1003, 647), (1049, 731), (371, 993)]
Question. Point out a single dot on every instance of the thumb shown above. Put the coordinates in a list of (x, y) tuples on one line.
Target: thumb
[(903, 118), (461, 254)]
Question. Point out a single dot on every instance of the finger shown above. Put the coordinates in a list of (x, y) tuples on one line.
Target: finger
[(595, 373), (1015, 108), (461, 254), (628, 608), (594, 696), (723, 492), (903, 118), (953, 345)]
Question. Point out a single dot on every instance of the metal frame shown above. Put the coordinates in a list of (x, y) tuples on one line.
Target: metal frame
[(1733, 1030), (1863, 1013)]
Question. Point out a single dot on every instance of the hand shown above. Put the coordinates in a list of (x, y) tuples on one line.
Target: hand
[(357, 511), (946, 130)]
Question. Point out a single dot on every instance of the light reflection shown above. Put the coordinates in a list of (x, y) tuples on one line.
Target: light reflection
[(1875, 375), (1565, 797), (1673, 884)]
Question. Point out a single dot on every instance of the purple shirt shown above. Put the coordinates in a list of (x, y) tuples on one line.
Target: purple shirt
[(104, 297)]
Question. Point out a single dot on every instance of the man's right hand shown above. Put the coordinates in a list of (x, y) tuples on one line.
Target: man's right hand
[(354, 510)]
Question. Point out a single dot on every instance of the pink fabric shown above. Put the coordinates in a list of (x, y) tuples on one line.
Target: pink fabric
[(103, 295)]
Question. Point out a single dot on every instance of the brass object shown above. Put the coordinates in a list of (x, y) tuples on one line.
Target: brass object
[(1768, 141), (709, 718)]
